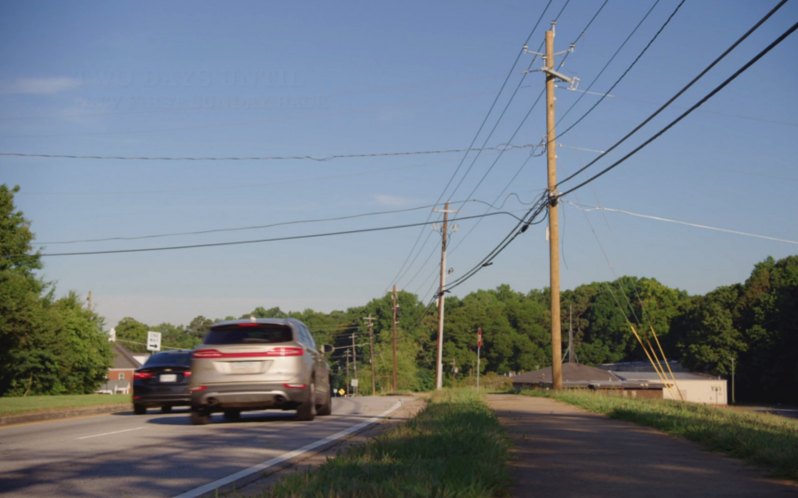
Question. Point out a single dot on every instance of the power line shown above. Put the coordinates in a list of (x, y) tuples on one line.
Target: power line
[(523, 121), (237, 229), (520, 125), (678, 94), (410, 259), (612, 58), (274, 239), (560, 65), (695, 106), (586, 208), (523, 165), (534, 104), (330, 157), (529, 219)]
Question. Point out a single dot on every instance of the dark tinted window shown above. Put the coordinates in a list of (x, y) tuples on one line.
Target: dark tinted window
[(169, 358), (307, 338), (249, 334)]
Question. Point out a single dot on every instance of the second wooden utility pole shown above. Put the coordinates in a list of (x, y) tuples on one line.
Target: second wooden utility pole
[(554, 227), (370, 322), (442, 299), (395, 303), (356, 381)]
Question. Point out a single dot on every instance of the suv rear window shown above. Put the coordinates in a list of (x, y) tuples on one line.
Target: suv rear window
[(256, 333), (169, 359)]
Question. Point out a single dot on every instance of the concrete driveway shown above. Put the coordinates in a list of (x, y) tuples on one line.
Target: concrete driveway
[(563, 451)]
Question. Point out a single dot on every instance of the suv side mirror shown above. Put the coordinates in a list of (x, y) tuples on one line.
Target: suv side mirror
[(326, 348)]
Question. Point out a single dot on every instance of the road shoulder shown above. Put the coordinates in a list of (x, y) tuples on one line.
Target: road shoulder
[(259, 484), (60, 413)]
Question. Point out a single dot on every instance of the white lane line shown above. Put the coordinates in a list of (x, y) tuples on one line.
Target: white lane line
[(284, 457), (110, 433)]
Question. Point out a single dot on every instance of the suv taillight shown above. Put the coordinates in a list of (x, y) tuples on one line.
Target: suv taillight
[(207, 353), (280, 351), (285, 351)]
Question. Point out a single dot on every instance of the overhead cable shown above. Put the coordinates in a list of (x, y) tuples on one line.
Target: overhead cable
[(586, 208), (677, 95), (523, 121), (410, 259), (606, 65), (695, 106), (273, 239), (330, 157), (234, 229)]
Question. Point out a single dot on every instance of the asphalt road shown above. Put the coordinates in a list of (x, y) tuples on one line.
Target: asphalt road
[(157, 455)]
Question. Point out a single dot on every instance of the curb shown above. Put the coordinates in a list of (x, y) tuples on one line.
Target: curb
[(59, 414)]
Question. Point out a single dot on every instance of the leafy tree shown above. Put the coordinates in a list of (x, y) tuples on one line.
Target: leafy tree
[(46, 346), (712, 341), (82, 351), (616, 307), (176, 336), (769, 320), (132, 334), (25, 361), (261, 312), (198, 328)]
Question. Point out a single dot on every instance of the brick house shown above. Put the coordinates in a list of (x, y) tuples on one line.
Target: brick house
[(120, 375)]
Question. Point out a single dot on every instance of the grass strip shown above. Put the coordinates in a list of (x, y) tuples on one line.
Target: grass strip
[(453, 448), (36, 404), (768, 441)]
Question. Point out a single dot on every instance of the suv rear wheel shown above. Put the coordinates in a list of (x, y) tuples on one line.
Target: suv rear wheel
[(232, 414), (200, 417), (326, 407), (307, 410)]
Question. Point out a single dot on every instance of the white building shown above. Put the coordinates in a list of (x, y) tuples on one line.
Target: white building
[(688, 386)]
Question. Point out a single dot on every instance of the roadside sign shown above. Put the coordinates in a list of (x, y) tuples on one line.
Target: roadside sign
[(153, 341)]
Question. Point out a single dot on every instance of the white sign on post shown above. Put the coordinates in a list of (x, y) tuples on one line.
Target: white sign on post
[(153, 341)]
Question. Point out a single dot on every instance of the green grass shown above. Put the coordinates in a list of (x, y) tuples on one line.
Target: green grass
[(453, 448), (33, 404), (765, 440)]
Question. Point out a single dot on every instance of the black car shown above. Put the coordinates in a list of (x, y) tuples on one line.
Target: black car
[(163, 381)]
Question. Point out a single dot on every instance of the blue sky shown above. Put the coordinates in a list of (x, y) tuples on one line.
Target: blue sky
[(266, 79)]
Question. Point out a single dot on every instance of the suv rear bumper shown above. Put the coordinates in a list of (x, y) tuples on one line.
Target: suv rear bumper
[(247, 396)]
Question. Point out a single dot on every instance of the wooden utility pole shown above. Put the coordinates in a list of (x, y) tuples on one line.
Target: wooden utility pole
[(571, 347), (354, 359), (554, 227), (370, 322), (442, 299), (394, 300), (346, 382)]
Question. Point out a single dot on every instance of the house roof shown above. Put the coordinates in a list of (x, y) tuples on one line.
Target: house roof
[(572, 374), (123, 359), (640, 366), (652, 376), (643, 371)]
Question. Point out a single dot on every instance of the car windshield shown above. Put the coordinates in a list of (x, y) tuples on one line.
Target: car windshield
[(171, 358), (259, 333)]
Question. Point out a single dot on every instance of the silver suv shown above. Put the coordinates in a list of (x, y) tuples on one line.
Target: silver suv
[(258, 364)]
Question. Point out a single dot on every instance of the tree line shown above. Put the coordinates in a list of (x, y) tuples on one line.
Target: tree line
[(51, 346)]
